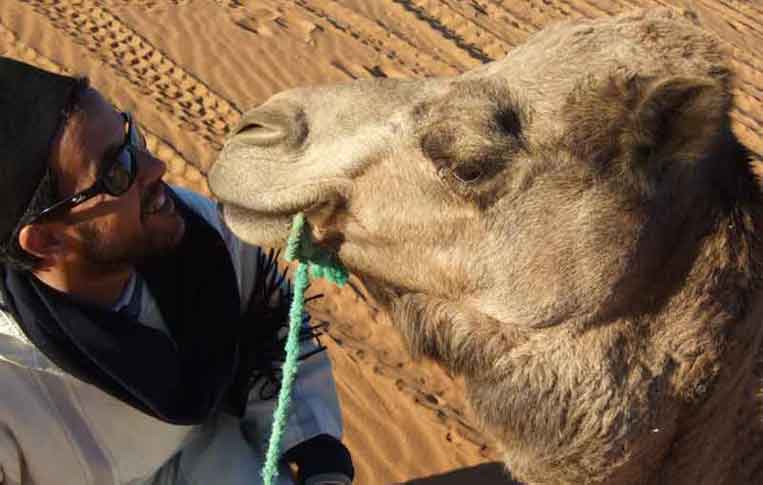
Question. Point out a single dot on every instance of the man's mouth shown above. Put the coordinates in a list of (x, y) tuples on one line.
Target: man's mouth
[(159, 202)]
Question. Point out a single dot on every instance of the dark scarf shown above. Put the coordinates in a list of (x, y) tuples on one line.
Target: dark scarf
[(196, 290)]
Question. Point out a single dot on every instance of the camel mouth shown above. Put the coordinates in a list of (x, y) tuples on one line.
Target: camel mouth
[(227, 207), (256, 227), (261, 214), (271, 229)]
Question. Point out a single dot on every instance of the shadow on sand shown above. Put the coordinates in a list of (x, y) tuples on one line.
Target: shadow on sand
[(484, 474)]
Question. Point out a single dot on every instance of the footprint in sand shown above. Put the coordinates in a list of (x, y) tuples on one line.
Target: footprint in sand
[(269, 22), (260, 21)]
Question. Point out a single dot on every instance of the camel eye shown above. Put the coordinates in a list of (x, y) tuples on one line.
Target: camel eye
[(468, 173)]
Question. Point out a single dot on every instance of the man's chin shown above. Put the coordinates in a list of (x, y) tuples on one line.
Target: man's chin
[(165, 231)]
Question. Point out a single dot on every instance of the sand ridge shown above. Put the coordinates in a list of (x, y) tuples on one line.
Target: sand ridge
[(188, 68)]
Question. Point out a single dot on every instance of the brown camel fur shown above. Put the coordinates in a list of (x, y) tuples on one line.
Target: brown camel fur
[(574, 229)]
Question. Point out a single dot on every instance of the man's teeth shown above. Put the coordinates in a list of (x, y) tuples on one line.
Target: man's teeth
[(157, 203)]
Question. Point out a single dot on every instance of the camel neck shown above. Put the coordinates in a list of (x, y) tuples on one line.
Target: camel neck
[(720, 440)]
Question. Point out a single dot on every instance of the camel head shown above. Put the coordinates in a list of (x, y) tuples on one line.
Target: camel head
[(537, 224)]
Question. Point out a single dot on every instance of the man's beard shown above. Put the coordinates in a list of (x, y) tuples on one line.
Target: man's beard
[(107, 255)]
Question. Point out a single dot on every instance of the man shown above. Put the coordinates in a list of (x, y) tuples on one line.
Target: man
[(139, 339)]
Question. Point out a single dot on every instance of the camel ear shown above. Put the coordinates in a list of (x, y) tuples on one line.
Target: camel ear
[(676, 120), (638, 127)]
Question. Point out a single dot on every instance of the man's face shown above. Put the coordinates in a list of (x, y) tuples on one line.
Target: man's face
[(108, 231)]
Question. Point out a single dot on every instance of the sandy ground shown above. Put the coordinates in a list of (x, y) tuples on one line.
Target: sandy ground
[(188, 68)]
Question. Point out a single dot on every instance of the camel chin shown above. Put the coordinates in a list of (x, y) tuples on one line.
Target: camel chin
[(257, 228)]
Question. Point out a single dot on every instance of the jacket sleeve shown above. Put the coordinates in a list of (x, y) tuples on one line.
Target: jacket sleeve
[(10, 458), (314, 408)]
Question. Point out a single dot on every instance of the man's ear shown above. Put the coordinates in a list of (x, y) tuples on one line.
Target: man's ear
[(42, 241), (641, 126)]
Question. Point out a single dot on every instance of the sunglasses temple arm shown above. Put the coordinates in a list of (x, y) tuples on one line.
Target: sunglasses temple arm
[(72, 201)]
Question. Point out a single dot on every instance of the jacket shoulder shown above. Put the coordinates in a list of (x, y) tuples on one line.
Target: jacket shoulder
[(203, 206)]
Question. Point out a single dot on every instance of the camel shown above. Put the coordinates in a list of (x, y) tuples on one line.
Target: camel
[(574, 229)]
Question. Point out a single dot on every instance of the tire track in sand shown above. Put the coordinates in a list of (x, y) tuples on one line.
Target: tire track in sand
[(737, 16), (483, 30), (517, 19), (452, 415), (407, 57), (194, 105), (387, 44), (430, 13), (747, 6), (146, 5), (541, 13), (179, 170)]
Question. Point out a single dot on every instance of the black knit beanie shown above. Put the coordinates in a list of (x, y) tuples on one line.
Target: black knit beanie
[(33, 103)]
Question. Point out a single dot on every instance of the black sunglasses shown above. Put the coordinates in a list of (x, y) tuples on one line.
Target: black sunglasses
[(117, 176)]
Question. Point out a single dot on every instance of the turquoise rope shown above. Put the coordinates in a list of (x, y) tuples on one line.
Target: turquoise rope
[(321, 264)]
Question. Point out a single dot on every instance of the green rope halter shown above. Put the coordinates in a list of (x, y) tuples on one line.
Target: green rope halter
[(321, 265)]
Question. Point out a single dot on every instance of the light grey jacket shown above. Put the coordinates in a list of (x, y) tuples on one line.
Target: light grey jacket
[(58, 430)]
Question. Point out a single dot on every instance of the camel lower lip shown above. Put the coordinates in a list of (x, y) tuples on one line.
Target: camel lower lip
[(223, 207), (254, 227), (228, 208)]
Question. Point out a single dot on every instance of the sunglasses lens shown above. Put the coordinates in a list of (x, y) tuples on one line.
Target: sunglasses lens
[(120, 176), (136, 137)]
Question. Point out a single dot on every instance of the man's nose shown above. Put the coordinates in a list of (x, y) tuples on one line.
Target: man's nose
[(150, 168)]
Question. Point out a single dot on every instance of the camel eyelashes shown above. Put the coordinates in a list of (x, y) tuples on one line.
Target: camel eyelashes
[(467, 173), (442, 148)]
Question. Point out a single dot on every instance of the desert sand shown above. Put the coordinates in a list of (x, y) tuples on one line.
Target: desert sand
[(188, 68)]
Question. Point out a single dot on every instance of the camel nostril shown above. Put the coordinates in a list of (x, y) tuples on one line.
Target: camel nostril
[(247, 127), (277, 124), (260, 134)]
